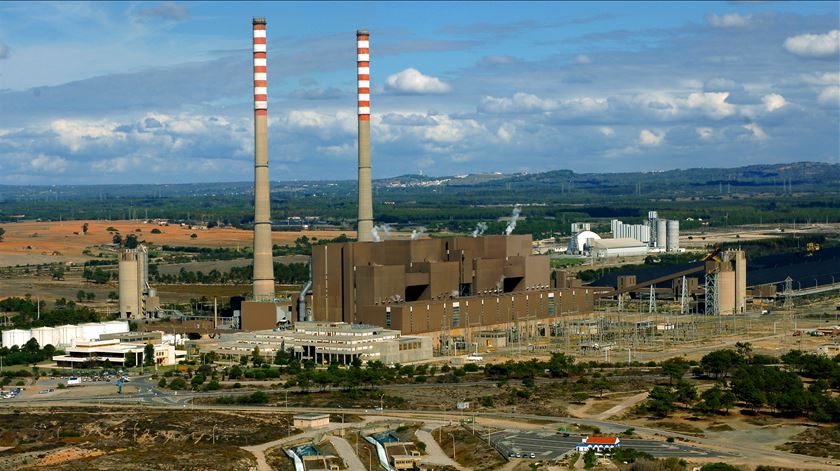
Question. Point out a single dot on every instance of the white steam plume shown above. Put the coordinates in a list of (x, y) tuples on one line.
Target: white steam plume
[(479, 229), (385, 229), (416, 233), (513, 217)]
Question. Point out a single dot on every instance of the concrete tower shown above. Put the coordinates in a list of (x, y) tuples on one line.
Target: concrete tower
[(263, 261), (365, 219)]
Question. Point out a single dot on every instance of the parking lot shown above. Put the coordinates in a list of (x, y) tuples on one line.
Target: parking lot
[(551, 445)]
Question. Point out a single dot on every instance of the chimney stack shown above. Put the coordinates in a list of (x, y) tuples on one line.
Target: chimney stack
[(263, 260), (365, 219)]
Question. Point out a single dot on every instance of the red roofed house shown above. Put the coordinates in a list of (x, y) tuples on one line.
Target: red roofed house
[(599, 444)]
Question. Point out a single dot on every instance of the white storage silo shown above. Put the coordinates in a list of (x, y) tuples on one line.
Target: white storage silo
[(673, 235), (661, 233)]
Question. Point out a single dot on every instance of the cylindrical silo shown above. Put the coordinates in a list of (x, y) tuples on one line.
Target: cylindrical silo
[(661, 234), (129, 285), (673, 235)]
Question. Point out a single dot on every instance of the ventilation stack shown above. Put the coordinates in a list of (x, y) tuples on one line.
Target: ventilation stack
[(263, 261), (365, 219)]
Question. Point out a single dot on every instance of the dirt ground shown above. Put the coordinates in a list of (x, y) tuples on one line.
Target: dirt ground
[(132, 439), (470, 450), (49, 242)]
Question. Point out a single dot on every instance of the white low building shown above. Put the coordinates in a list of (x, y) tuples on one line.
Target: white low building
[(329, 342), (623, 247), (63, 335), (97, 352)]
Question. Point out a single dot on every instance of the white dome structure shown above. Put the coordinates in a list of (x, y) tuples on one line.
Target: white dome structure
[(579, 242)]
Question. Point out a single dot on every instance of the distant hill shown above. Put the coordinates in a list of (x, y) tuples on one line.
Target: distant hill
[(774, 178)]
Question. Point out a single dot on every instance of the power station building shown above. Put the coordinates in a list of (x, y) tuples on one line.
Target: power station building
[(443, 288)]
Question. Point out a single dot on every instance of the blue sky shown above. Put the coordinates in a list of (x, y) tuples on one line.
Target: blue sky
[(160, 92)]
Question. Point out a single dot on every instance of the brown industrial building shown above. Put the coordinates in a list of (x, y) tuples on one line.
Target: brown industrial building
[(443, 287)]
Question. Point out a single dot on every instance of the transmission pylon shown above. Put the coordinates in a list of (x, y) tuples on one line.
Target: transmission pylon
[(712, 307), (788, 293), (684, 297), (652, 299)]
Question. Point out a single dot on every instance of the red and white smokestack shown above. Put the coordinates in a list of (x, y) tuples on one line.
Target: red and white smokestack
[(263, 257), (365, 219)]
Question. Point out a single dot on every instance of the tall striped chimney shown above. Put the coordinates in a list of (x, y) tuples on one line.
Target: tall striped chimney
[(365, 222), (263, 261)]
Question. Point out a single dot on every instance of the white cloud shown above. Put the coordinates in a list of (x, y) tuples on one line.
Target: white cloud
[(519, 102), (45, 163), (773, 102), (522, 102), (651, 138), (712, 104), (506, 132), (77, 134), (830, 96), (705, 133), (606, 131), (824, 78), (582, 59), (4, 51), (729, 20), (756, 131), (413, 81), (814, 45)]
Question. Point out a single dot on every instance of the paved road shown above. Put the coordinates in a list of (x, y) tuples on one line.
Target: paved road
[(346, 452), (550, 445)]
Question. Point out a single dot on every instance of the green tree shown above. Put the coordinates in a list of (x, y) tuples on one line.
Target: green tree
[(660, 401), (85, 228), (590, 459), (113, 296), (601, 385), (686, 393), (149, 355), (256, 358), (2, 233), (80, 295), (90, 296), (162, 383), (675, 368), (719, 467)]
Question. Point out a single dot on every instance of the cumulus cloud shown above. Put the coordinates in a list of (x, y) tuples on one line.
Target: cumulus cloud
[(830, 96), (705, 133), (606, 131), (773, 102), (413, 81), (814, 45), (756, 131), (651, 138), (582, 59), (46, 163), (729, 20), (712, 104), (166, 11), (522, 102), (5, 51), (506, 132)]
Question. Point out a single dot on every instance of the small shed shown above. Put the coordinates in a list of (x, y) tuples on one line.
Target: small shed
[(305, 421)]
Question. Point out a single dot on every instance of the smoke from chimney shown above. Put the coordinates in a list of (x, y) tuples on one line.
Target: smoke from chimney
[(513, 218), (364, 231), (375, 233), (479, 229), (263, 261)]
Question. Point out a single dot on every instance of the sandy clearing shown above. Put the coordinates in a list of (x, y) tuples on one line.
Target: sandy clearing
[(64, 241)]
